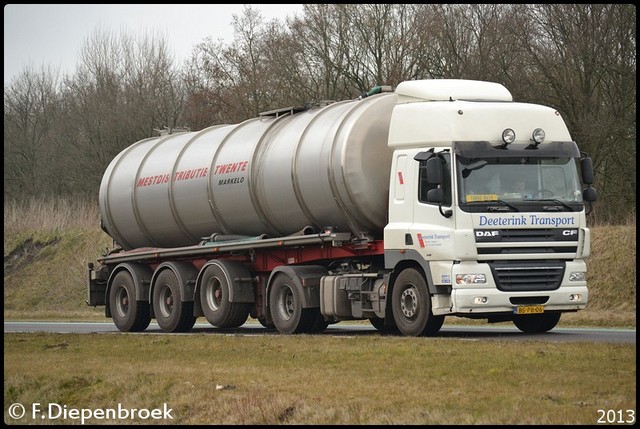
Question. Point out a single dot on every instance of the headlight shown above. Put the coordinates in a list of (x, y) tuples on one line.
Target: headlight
[(577, 276), (470, 279)]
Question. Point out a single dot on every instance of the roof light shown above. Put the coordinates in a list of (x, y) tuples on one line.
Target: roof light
[(508, 136), (538, 136)]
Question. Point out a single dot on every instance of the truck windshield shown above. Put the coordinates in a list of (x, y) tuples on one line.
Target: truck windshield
[(513, 180)]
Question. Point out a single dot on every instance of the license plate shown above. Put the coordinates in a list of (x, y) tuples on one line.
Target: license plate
[(530, 309)]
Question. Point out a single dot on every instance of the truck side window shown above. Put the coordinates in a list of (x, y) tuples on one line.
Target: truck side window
[(424, 187)]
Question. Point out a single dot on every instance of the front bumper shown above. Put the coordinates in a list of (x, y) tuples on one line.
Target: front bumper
[(491, 300)]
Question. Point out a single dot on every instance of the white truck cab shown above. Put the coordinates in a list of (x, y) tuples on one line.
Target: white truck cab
[(485, 195)]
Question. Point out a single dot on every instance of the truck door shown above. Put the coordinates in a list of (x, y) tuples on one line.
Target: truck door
[(432, 231)]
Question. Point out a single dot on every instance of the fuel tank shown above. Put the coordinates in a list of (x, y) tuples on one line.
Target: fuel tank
[(275, 174)]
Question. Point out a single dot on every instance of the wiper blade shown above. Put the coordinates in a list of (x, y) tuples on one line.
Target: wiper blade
[(505, 205), (553, 200), (497, 209)]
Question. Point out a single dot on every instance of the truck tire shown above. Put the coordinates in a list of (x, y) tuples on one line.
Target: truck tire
[(285, 304), (381, 325), (536, 323), (172, 314), (411, 305), (263, 322), (319, 325), (128, 314), (214, 299)]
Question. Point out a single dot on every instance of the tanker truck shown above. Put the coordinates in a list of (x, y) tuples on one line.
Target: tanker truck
[(442, 197)]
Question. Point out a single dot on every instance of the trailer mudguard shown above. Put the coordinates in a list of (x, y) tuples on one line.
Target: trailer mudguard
[(237, 277), (186, 274), (141, 275)]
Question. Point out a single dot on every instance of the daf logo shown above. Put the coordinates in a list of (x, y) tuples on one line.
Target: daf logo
[(487, 233), (569, 232)]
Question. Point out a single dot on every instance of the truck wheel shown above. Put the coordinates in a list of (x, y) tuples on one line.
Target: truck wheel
[(214, 299), (285, 304), (319, 325), (379, 324), (536, 323), (411, 305), (172, 314), (263, 322), (128, 314)]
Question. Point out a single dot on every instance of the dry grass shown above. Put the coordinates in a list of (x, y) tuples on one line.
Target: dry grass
[(322, 379), (612, 267), (49, 214)]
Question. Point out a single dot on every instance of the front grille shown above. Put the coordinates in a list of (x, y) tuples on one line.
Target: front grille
[(527, 275), (527, 235)]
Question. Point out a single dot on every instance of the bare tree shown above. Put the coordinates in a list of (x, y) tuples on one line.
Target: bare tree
[(388, 42), (236, 79), (30, 113), (584, 57), (204, 80), (124, 88), (323, 41)]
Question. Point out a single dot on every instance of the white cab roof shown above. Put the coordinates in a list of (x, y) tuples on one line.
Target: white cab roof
[(451, 89)]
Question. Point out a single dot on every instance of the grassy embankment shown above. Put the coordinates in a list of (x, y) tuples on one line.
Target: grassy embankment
[(47, 245)]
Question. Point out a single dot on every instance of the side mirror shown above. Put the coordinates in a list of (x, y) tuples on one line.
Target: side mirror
[(589, 194), (435, 195), (586, 165), (434, 171)]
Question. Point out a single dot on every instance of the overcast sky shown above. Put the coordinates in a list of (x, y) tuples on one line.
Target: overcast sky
[(53, 34)]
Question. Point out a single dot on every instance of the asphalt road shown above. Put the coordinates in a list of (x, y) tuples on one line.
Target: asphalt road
[(489, 332)]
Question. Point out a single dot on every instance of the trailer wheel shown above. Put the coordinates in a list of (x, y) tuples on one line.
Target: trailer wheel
[(172, 314), (285, 304), (128, 314), (214, 299), (536, 323), (411, 305)]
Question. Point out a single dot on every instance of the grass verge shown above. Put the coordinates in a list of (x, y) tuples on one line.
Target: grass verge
[(305, 379)]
